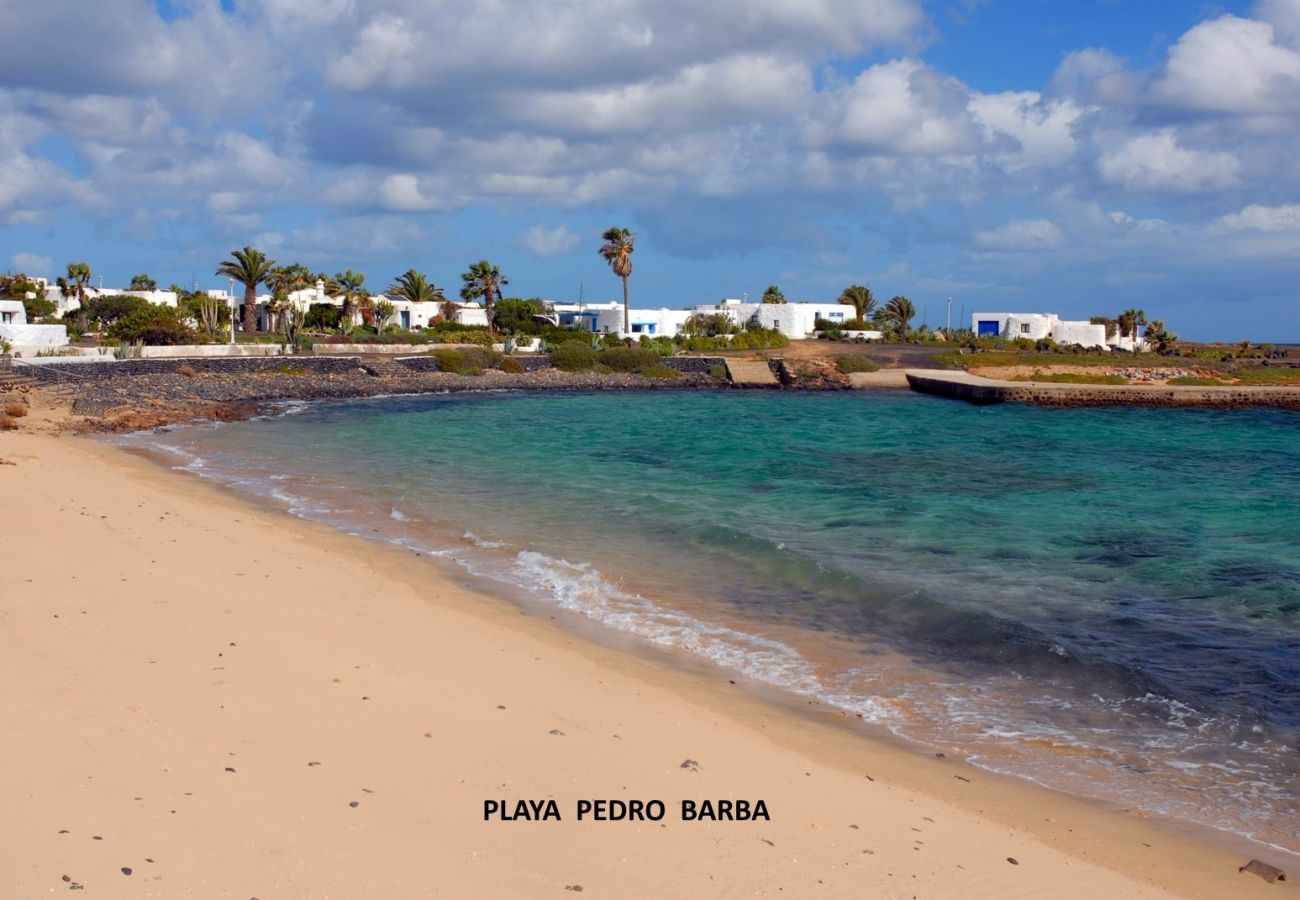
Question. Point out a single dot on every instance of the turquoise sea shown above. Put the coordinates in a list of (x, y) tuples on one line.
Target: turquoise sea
[(1105, 601)]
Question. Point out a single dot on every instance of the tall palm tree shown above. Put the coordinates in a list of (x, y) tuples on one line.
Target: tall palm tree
[(249, 267), (773, 294), (617, 251), (1130, 320), (859, 297), (415, 288), (349, 283), (74, 285), (900, 311), (143, 283), (483, 280)]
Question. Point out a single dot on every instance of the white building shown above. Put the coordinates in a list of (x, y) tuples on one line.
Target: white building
[(794, 320), (1039, 326), (27, 339)]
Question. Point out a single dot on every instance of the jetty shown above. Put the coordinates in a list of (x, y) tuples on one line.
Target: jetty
[(987, 391)]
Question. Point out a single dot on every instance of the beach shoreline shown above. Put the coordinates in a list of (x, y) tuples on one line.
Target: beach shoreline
[(397, 599)]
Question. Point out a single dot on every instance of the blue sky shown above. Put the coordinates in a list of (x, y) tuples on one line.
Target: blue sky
[(1076, 157)]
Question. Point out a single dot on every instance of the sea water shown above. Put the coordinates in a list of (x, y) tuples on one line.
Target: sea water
[(1105, 601)]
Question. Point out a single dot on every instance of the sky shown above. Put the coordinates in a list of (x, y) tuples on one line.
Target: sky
[(1012, 155)]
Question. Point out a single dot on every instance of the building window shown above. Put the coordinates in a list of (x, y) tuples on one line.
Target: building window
[(6, 318), (835, 315), (1024, 328)]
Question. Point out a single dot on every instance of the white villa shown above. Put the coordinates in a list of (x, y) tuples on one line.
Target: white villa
[(27, 339), (1038, 326), (794, 320)]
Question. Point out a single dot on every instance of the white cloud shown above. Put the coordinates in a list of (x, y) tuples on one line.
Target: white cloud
[(1157, 162), (1021, 235), (404, 192), (1264, 218), (545, 241), (899, 107), (1042, 130), (32, 264), (1231, 65)]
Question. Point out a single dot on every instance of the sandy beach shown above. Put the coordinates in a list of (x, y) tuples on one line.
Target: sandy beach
[(203, 698)]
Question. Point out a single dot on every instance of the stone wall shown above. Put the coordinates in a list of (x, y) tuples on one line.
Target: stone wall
[(52, 370), (694, 365), (961, 387)]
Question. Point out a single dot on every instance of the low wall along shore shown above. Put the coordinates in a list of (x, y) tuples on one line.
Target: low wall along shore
[(985, 391)]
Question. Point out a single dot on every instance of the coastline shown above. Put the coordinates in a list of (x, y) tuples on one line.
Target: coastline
[(329, 602)]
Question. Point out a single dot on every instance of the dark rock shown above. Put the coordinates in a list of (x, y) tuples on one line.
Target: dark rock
[(1263, 870)]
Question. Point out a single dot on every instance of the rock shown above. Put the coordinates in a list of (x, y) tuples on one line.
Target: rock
[(1013, 860), (690, 765), (1263, 870), (126, 870)]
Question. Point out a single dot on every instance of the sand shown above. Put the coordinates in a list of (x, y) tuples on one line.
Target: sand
[(224, 701)]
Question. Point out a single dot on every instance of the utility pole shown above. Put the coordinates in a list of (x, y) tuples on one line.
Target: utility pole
[(948, 331), (231, 284)]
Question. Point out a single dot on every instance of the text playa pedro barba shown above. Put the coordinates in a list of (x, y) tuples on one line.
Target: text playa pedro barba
[(626, 810)]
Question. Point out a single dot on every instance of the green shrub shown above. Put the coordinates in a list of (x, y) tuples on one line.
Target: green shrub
[(1193, 381), (512, 366), (718, 372), (154, 325), (573, 357), (628, 359), (323, 316), (466, 360), (664, 346), (848, 364), (660, 371), (113, 308)]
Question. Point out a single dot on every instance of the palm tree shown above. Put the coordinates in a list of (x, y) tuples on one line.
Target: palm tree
[(773, 294), (249, 267), (349, 283), (617, 251), (143, 283), (74, 285), (900, 311), (1130, 320), (1160, 336), (483, 280), (283, 281), (859, 297), (415, 288)]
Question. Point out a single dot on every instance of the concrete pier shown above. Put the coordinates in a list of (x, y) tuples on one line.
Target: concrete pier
[(985, 391)]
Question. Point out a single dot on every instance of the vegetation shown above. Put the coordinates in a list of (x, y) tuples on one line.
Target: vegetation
[(250, 267), (350, 290), (1072, 378), (153, 325), (17, 287), (466, 360), (512, 366), (112, 308), (143, 283), (15, 408), (899, 312), (860, 298), (659, 371), (485, 280), (414, 287), (773, 294), (573, 357), (73, 287), (850, 364), (514, 315), (629, 359), (617, 249)]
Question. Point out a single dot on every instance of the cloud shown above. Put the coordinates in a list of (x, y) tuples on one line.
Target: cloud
[(544, 241), (1231, 65), (32, 263), (1157, 162), (899, 107), (1264, 218), (1021, 235)]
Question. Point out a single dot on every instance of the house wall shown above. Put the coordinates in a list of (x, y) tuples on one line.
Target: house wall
[(30, 339), (1037, 326)]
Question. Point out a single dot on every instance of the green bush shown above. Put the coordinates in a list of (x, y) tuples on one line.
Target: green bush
[(466, 360), (112, 308), (322, 316), (154, 325), (512, 366), (628, 359), (573, 357), (660, 371), (848, 364), (718, 372)]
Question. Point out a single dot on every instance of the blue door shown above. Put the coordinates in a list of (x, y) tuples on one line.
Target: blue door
[(989, 328), (406, 319)]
